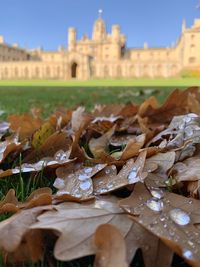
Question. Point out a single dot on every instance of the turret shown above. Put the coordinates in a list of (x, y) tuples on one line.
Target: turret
[(183, 26), (71, 39), (1, 39), (99, 30), (115, 33)]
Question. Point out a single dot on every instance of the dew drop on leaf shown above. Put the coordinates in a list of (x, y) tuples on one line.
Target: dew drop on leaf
[(157, 193), (85, 185), (88, 170), (82, 177), (187, 254), (132, 177), (59, 183), (154, 204), (179, 216)]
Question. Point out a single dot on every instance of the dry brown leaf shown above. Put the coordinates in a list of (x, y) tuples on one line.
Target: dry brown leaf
[(188, 170), (76, 183), (25, 125), (77, 224), (39, 197), (111, 247), (10, 202), (61, 158), (13, 229), (164, 161), (151, 102), (169, 216), (56, 142), (98, 146), (10, 145), (132, 148), (182, 135), (176, 104), (31, 248), (133, 171)]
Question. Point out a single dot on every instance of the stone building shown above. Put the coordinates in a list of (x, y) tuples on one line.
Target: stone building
[(105, 55)]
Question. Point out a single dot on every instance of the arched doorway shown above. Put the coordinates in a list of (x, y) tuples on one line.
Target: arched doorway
[(74, 67)]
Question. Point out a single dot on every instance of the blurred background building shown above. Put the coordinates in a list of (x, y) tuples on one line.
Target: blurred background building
[(105, 55)]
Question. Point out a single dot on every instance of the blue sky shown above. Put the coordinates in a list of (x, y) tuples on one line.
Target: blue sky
[(34, 23)]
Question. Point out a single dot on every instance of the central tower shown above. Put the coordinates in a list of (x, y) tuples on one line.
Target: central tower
[(99, 29)]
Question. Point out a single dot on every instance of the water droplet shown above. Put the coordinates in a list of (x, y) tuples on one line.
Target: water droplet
[(127, 208), (83, 177), (192, 115), (157, 193), (113, 167), (187, 254), (154, 204), (99, 167), (190, 201), (61, 156), (190, 243), (171, 232), (179, 216), (165, 225), (187, 119), (102, 190), (107, 171), (110, 185), (189, 131), (162, 218), (59, 183), (88, 170), (132, 177), (78, 195), (85, 185)]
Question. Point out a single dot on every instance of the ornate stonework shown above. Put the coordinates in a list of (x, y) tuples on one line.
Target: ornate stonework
[(103, 56)]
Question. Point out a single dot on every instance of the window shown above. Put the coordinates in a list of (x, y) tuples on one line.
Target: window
[(192, 59)]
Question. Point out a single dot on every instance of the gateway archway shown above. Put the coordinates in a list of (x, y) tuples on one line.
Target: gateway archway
[(74, 68)]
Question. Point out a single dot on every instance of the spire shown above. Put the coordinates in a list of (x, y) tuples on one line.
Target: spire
[(99, 28), (100, 11), (183, 26)]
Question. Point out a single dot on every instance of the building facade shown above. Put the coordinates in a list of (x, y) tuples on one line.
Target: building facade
[(103, 56)]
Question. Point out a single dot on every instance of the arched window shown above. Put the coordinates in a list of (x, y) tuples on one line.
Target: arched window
[(132, 71), (192, 59), (159, 71), (16, 72), (174, 70), (37, 72), (26, 73), (106, 71), (58, 71), (119, 71), (5, 72), (48, 72), (192, 48), (146, 71)]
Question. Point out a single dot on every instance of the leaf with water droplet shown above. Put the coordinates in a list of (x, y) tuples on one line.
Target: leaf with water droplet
[(131, 173), (173, 220), (111, 247), (77, 183)]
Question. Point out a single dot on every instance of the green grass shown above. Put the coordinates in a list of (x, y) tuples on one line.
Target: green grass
[(107, 82), (19, 99)]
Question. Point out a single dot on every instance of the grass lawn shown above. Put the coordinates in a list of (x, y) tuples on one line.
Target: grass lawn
[(105, 83), (17, 99), (20, 97)]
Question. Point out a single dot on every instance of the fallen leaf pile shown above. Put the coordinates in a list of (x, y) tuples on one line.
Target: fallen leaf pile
[(125, 177)]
